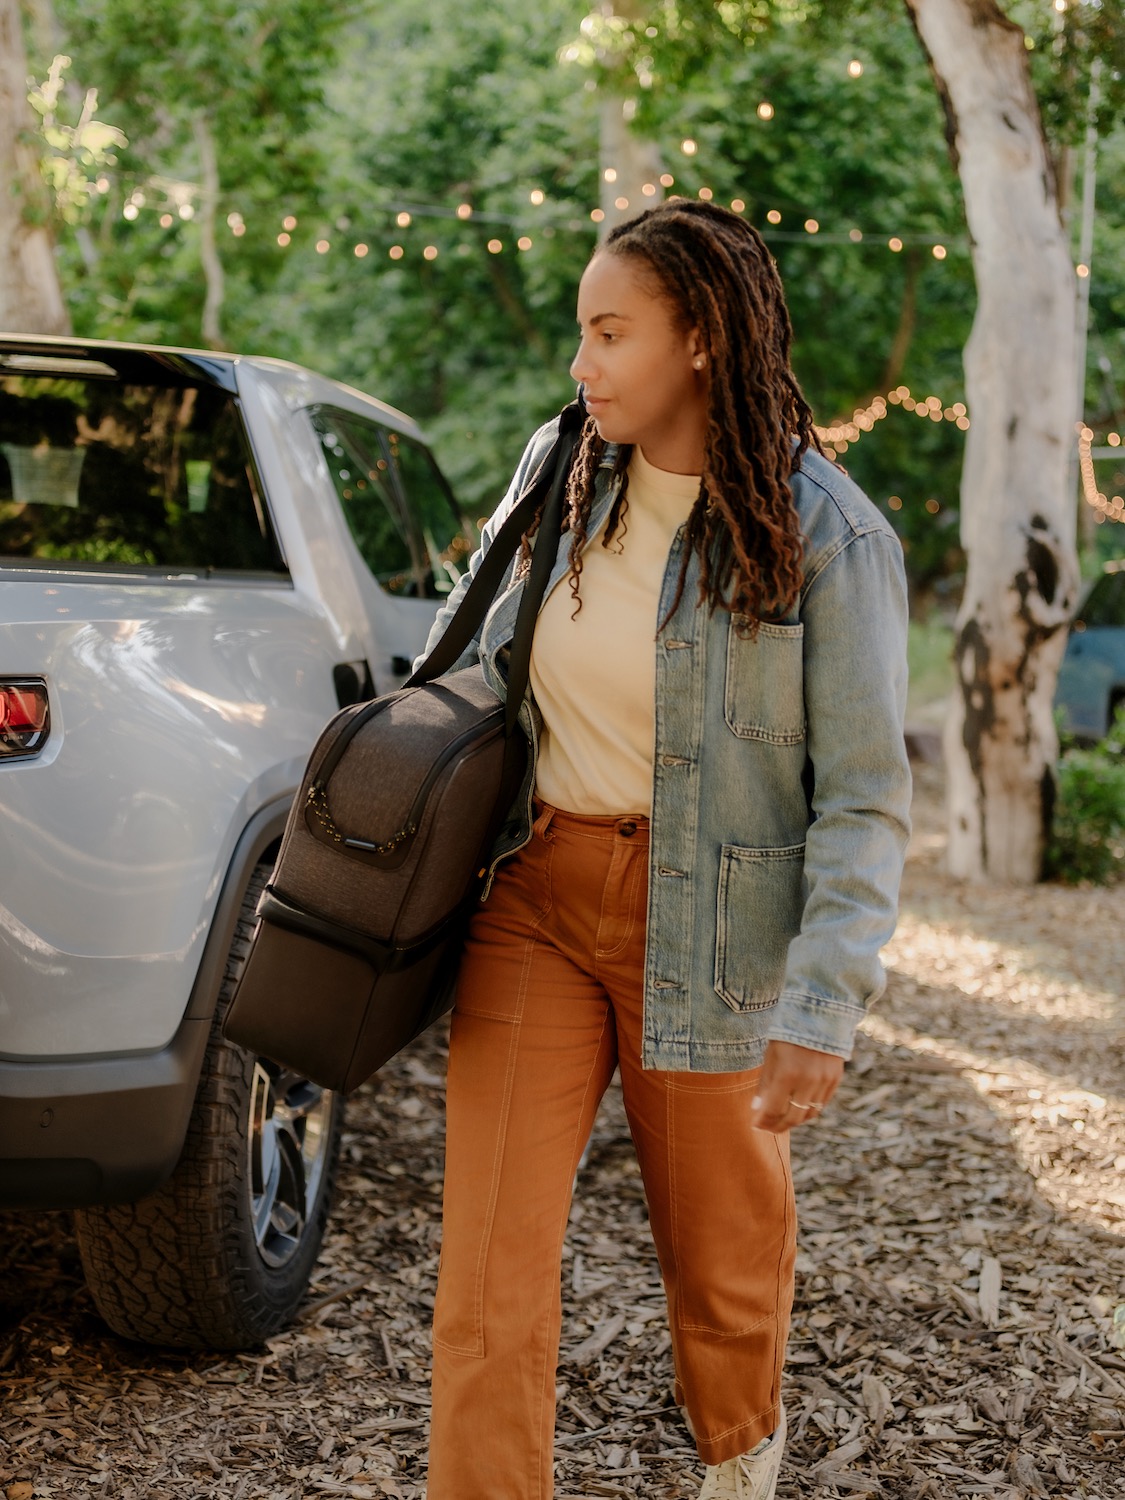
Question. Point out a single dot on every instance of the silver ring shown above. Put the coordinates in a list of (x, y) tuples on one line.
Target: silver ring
[(796, 1103)]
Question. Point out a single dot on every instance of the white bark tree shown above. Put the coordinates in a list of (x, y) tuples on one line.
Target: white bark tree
[(1017, 511), (30, 295)]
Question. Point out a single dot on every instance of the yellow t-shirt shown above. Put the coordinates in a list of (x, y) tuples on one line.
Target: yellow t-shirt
[(594, 676)]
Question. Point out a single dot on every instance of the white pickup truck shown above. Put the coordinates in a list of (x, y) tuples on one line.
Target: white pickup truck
[(202, 557)]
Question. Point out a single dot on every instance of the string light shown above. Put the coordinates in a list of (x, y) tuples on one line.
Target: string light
[(396, 252), (283, 239), (610, 174), (895, 243), (737, 206), (841, 435), (811, 226), (536, 196), (597, 215), (402, 220), (706, 194), (855, 68), (289, 223), (1107, 507), (765, 110), (361, 251), (323, 247), (465, 210), (689, 147), (667, 180), (430, 252), (621, 204), (773, 216), (495, 247), (524, 242)]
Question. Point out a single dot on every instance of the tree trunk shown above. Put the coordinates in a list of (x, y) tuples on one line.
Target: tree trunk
[(30, 296), (208, 247), (1017, 516), (633, 161)]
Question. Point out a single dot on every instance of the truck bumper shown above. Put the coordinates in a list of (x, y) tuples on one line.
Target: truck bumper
[(100, 1130)]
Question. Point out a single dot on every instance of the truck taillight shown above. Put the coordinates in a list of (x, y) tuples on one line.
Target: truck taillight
[(25, 718)]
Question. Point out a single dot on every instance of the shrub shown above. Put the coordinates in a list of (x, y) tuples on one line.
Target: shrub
[(1087, 839)]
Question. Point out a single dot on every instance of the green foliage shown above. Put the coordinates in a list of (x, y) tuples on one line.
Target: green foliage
[(929, 659), (425, 108), (1087, 839), (75, 153), (251, 72)]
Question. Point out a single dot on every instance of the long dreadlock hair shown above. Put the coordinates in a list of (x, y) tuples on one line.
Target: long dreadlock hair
[(718, 276)]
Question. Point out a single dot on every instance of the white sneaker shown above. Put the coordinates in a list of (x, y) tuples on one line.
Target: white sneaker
[(750, 1476)]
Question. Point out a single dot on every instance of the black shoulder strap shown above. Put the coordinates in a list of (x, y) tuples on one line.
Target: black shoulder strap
[(549, 477)]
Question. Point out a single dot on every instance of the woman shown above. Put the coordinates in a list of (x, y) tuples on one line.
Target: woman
[(697, 884)]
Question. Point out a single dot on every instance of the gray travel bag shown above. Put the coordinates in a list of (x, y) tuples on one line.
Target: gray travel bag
[(387, 845)]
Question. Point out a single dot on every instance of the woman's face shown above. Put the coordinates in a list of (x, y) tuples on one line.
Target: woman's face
[(645, 376)]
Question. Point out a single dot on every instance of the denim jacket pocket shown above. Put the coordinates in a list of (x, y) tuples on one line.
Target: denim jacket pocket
[(765, 691), (761, 898)]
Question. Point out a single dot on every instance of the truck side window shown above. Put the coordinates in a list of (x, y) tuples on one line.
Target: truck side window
[(102, 472), (1105, 604), (397, 506)]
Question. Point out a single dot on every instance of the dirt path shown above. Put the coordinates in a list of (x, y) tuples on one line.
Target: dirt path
[(962, 1254)]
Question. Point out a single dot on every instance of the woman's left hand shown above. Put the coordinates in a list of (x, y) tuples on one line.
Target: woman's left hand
[(795, 1085)]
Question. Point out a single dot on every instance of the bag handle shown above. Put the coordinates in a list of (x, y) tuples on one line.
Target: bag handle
[(551, 475)]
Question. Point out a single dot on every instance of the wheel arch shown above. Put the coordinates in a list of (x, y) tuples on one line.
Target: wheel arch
[(258, 841)]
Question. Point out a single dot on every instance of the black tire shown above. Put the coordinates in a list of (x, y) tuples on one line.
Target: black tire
[(219, 1257)]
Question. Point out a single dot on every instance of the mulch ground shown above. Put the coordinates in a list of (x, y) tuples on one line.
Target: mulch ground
[(962, 1259)]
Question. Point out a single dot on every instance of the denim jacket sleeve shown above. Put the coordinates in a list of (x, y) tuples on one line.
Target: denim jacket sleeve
[(532, 456), (854, 615)]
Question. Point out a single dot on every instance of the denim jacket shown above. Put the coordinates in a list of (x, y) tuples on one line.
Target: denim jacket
[(781, 787)]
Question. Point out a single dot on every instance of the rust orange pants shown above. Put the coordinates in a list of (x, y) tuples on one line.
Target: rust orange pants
[(549, 1003)]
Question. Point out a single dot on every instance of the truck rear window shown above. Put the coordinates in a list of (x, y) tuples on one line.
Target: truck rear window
[(107, 474)]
